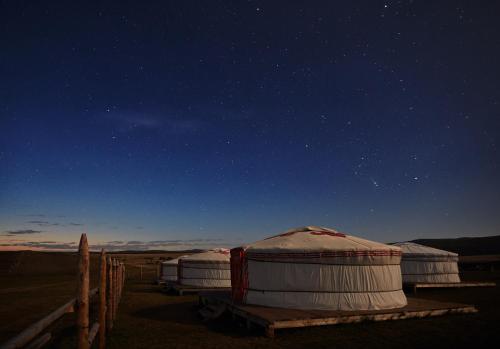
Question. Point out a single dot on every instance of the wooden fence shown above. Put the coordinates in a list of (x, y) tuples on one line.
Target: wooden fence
[(111, 282)]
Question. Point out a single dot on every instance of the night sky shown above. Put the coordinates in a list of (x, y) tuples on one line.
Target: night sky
[(178, 124)]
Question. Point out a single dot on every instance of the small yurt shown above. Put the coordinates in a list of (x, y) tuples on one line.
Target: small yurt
[(169, 270), (318, 268), (209, 269), (423, 264)]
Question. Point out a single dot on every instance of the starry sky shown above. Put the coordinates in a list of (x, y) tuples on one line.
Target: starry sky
[(183, 124)]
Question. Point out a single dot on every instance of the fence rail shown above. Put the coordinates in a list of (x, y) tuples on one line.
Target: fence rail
[(111, 282)]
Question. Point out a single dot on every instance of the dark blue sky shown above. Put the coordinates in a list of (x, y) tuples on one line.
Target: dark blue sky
[(217, 123)]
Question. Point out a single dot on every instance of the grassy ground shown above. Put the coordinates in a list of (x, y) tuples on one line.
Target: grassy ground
[(148, 318), (33, 284)]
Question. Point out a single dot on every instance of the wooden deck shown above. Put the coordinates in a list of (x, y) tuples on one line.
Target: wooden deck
[(272, 319), (185, 289), (415, 286)]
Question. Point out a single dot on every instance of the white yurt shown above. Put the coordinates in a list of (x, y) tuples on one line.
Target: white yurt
[(169, 270), (318, 268), (207, 269), (423, 264)]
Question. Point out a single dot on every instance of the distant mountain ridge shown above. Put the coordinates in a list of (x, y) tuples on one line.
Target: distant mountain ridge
[(156, 251), (471, 246)]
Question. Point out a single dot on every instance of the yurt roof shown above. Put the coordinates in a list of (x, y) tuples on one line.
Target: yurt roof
[(174, 260), (219, 254), (417, 249), (312, 238)]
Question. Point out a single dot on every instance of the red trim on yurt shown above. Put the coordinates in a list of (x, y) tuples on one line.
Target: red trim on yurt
[(312, 232), (201, 261), (325, 254), (239, 274), (330, 233)]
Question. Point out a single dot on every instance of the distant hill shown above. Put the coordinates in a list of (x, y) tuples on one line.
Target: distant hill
[(156, 251), (36, 263), (487, 245)]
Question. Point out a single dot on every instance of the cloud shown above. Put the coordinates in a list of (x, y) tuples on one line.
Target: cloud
[(135, 242), (139, 121), (118, 245), (135, 245), (43, 223), (183, 126), (22, 232), (52, 224), (127, 121), (40, 245)]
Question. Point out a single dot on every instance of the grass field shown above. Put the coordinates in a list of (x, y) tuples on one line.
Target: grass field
[(148, 318)]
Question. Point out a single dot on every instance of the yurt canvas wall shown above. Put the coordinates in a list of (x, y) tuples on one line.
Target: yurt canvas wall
[(169, 270), (318, 268), (424, 264), (209, 269)]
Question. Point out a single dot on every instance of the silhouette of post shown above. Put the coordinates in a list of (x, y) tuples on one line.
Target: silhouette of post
[(109, 300), (82, 298), (102, 301), (119, 280), (115, 289)]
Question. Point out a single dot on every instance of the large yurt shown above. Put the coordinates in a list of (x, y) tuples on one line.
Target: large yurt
[(169, 270), (424, 264), (318, 268), (210, 269)]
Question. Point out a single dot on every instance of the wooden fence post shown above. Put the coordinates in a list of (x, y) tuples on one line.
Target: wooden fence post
[(158, 271), (141, 271), (161, 271), (115, 289), (109, 303), (118, 277), (82, 298), (119, 280), (102, 302), (113, 278)]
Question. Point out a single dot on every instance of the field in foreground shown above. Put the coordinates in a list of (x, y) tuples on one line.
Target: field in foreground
[(150, 319)]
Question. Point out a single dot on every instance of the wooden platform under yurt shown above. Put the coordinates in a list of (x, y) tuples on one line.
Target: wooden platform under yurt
[(272, 319), (415, 286), (186, 289)]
